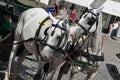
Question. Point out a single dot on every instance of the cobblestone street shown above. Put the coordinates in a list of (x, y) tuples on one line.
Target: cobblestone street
[(108, 70)]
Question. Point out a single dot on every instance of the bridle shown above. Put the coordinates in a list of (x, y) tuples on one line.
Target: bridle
[(63, 34), (92, 60), (90, 22), (57, 47), (76, 47)]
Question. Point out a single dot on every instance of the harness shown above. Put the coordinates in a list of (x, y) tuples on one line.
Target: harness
[(43, 41), (74, 49), (90, 22)]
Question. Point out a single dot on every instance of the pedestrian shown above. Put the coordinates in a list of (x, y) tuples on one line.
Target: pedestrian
[(37, 1), (72, 7), (110, 27), (55, 9), (64, 13), (72, 16), (114, 30)]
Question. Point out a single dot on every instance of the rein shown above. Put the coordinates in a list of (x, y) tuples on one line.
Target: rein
[(78, 52), (35, 39)]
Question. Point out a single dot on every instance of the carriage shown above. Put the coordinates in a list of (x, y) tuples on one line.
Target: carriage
[(51, 32), (7, 27)]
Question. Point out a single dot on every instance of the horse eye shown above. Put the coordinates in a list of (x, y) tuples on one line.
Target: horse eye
[(45, 33), (58, 37), (89, 19), (85, 16)]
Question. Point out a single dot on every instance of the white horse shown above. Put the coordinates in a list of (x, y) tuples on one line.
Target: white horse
[(41, 34), (85, 52)]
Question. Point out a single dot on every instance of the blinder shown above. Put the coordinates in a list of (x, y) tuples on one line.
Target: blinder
[(92, 21), (45, 32), (63, 34)]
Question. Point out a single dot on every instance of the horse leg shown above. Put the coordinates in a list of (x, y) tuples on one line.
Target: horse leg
[(40, 70), (12, 55), (50, 75), (38, 75), (91, 76), (63, 70), (73, 73), (43, 73), (56, 61), (20, 59)]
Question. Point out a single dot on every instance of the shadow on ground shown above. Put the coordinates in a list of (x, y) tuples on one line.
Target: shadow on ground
[(25, 73), (112, 69)]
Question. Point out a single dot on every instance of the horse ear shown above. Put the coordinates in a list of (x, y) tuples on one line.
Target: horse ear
[(99, 10), (89, 7), (52, 17)]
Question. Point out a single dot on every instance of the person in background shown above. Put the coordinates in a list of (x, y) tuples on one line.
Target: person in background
[(114, 30), (110, 27), (72, 16), (64, 13), (36, 1), (72, 7), (55, 9)]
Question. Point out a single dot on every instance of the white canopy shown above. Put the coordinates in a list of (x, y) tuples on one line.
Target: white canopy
[(111, 7), (45, 1), (84, 3)]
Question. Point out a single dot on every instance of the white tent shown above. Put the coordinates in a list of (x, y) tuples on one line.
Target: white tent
[(84, 3), (45, 1), (111, 7)]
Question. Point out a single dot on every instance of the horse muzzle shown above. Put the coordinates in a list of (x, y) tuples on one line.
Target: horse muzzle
[(45, 58)]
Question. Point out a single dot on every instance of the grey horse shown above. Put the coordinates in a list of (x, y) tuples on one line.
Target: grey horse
[(41, 34), (85, 50)]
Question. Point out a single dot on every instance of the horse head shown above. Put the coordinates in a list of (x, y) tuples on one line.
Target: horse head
[(56, 36), (88, 22)]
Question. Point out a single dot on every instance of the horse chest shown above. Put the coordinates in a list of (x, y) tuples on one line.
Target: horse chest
[(31, 47)]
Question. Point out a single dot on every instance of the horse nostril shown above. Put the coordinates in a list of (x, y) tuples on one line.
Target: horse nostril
[(44, 58)]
